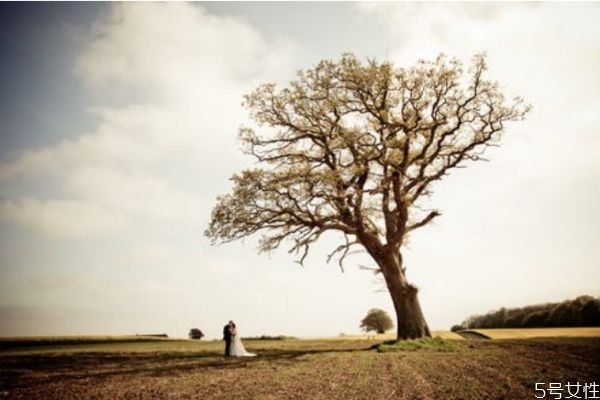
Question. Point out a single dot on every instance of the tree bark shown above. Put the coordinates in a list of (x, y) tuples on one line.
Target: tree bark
[(410, 322)]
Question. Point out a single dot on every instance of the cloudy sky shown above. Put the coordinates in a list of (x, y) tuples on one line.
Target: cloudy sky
[(118, 125)]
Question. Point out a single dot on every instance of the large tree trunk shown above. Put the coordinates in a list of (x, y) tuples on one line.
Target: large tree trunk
[(410, 322)]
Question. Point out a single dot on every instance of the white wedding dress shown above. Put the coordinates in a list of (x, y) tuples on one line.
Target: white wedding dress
[(237, 348)]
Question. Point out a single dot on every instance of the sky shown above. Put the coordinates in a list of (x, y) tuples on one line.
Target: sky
[(118, 129)]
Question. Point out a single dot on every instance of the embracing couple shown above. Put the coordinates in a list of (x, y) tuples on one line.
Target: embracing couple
[(233, 342)]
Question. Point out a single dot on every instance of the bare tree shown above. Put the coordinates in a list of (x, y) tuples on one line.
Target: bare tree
[(352, 147)]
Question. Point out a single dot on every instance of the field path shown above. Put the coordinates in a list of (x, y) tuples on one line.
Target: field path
[(473, 335)]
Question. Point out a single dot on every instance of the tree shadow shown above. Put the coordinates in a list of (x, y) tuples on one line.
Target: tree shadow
[(20, 371)]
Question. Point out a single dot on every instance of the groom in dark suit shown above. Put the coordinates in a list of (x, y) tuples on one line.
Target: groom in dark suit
[(227, 338)]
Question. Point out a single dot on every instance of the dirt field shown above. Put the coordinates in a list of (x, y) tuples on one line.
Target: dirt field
[(296, 369)]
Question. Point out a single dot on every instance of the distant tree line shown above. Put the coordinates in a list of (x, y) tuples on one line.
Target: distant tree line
[(582, 311)]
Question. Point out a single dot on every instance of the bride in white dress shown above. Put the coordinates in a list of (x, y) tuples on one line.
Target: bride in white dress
[(237, 347)]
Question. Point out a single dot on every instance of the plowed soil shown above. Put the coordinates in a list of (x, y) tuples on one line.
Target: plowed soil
[(494, 369)]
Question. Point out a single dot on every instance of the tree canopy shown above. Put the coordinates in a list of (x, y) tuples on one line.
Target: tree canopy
[(354, 147)]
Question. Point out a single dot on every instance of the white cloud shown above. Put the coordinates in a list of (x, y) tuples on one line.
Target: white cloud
[(170, 47), (65, 218), (164, 155), (533, 49)]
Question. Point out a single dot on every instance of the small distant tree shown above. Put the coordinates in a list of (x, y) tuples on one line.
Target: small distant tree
[(196, 333), (376, 320)]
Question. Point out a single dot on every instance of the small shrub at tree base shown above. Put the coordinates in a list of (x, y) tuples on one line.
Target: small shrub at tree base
[(433, 344)]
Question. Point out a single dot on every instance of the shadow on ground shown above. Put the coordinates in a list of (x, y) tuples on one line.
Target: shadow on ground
[(20, 370)]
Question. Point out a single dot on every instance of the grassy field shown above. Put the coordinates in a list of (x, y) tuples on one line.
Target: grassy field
[(529, 333), (336, 368)]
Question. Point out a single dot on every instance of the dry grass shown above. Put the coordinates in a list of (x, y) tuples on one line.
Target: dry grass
[(529, 333)]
